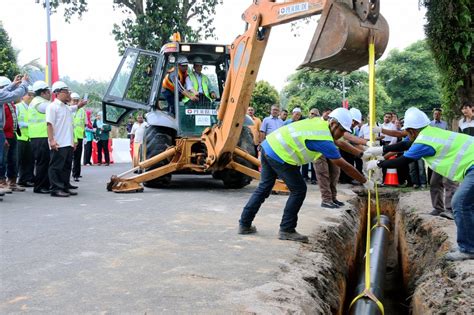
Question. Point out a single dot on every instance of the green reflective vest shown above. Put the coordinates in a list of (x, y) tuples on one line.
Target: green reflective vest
[(37, 127), (288, 142), (79, 123), (454, 152), (204, 83), (23, 118)]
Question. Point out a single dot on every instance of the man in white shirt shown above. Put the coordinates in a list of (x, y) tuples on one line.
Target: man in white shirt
[(199, 84), (387, 124), (61, 140), (137, 136)]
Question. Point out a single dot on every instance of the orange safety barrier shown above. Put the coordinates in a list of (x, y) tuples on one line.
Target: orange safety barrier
[(95, 157)]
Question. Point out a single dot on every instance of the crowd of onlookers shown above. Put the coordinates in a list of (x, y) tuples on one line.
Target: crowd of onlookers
[(44, 133), (327, 175)]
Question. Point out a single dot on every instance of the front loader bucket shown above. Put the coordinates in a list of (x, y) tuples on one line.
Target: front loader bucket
[(341, 40)]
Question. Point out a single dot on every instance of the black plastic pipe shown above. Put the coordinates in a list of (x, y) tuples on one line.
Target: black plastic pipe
[(378, 254)]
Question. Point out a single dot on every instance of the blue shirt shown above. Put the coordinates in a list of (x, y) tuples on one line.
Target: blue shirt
[(325, 147), (418, 150), (270, 124), (439, 124)]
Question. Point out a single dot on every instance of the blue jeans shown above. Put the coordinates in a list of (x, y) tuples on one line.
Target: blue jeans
[(290, 174), (463, 210), (10, 159), (2, 160)]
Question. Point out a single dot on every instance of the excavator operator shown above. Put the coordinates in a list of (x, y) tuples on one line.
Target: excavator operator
[(168, 83), (198, 84), (283, 152)]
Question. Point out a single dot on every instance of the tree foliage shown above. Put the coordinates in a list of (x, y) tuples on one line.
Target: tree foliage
[(307, 89), (95, 89), (411, 78), (8, 65), (264, 95), (151, 23), (450, 35)]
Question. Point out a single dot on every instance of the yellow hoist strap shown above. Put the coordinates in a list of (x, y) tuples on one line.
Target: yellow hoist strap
[(367, 291)]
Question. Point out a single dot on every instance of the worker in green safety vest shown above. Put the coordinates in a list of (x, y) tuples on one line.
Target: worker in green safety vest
[(198, 84), (283, 152), (37, 131), (25, 154), (449, 154), (79, 121)]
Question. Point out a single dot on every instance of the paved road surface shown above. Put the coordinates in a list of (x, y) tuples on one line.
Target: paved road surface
[(161, 251)]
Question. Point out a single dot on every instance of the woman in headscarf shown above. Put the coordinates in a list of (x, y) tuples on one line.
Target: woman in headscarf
[(102, 135), (89, 138)]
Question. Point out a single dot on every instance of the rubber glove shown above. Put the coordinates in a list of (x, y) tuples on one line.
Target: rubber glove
[(372, 165), (372, 153), (369, 185)]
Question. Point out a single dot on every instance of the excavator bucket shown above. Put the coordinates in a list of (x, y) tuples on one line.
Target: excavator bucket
[(340, 42)]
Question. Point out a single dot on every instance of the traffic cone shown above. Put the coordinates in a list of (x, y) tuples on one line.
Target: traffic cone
[(391, 177)]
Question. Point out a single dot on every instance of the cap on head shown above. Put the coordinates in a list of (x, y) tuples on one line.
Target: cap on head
[(4, 81), (415, 119), (40, 85), (182, 60), (356, 114), (198, 61), (296, 110), (343, 116), (59, 85), (75, 96)]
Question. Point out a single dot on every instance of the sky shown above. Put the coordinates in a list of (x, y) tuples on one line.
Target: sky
[(87, 49)]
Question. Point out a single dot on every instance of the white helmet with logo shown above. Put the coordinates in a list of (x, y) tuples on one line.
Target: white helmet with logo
[(4, 81), (182, 60), (75, 96), (415, 119), (343, 116), (356, 114), (40, 85), (59, 85)]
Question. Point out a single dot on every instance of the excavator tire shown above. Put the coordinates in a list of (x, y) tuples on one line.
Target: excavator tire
[(158, 139), (231, 178)]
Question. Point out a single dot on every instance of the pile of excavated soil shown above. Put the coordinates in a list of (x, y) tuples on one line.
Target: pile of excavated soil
[(315, 282)]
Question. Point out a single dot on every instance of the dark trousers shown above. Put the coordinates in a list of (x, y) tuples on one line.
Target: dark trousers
[(169, 96), (103, 145), (10, 158), (25, 162), (40, 149), (60, 168), (2, 162), (76, 168), (290, 174), (88, 153)]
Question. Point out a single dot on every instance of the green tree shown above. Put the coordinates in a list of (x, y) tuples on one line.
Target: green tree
[(8, 65), (450, 35), (95, 89), (152, 22), (411, 78), (308, 88), (264, 95)]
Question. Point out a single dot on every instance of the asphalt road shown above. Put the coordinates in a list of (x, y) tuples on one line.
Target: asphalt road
[(161, 251)]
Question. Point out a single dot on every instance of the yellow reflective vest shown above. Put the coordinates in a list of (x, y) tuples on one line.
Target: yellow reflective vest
[(23, 119), (79, 123), (37, 127), (204, 83)]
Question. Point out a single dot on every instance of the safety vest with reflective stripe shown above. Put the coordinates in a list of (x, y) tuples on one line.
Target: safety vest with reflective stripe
[(454, 152), (288, 142), (204, 83), (168, 84), (37, 127), (23, 118), (79, 123)]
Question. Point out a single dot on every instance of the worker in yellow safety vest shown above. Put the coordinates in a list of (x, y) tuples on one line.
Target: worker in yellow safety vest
[(283, 152), (25, 154), (168, 84), (37, 131), (79, 121), (198, 83), (449, 154)]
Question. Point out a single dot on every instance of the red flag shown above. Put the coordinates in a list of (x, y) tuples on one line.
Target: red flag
[(345, 104), (54, 63)]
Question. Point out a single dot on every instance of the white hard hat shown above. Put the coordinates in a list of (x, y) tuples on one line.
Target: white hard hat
[(40, 85), (59, 85), (182, 60), (296, 110), (75, 96), (415, 119), (4, 81), (356, 114), (198, 60), (343, 116)]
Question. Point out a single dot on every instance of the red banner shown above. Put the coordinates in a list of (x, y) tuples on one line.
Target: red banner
[(345, 104), (54, 63)]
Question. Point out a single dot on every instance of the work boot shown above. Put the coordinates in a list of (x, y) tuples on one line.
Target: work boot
[(293, 236), (330, 205), (13, 186), (337, 202), (247, 229), (458, 256), (4, 187), (447, 215), (435, 212)]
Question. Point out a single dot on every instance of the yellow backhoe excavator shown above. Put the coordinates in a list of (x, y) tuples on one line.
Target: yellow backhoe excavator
[(340, 43)]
